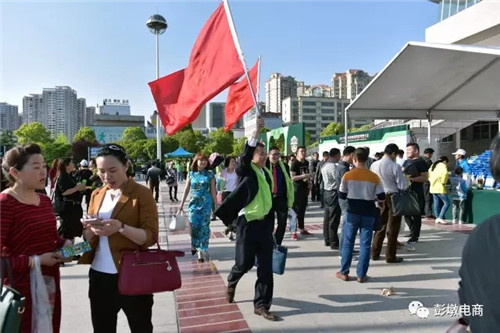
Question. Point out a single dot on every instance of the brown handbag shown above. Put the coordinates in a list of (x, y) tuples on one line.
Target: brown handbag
[(149, 271)]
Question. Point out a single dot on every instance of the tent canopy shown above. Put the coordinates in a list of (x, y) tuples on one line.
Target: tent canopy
[(450, 82), (179, 153)]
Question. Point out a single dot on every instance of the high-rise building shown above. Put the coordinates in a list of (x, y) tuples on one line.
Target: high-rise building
[(349, 84), (279, 87), (201, 121), (115, 107), (216, 114), (60, 109), (315, 112), (88, 119), (82, 110), (33, 109), (9, 117)]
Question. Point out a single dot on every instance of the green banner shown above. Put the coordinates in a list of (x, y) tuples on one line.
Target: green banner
[(293, 136)]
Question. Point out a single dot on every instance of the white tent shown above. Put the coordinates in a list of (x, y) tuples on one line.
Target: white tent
[(433, 81)]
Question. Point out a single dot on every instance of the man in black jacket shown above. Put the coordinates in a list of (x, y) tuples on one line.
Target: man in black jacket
[(282, 190), (251, 205)]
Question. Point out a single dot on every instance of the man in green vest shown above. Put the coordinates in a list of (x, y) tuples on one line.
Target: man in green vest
[(250, 204), (282, 190)]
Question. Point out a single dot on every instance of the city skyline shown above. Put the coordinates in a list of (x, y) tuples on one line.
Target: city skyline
[(101, 57)]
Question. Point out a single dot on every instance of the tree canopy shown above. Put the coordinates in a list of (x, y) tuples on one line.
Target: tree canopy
[(85, 134), (134, 134), (33, 132)]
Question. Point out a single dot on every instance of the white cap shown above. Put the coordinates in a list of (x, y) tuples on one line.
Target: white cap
[(84, 163), (460, 152)]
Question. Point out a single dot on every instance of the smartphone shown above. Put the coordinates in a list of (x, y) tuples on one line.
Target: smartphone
[(94, 222)]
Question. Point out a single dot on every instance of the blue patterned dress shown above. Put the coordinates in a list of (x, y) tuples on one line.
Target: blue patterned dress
[(200, 208)]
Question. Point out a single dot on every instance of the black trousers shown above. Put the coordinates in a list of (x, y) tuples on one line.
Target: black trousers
[(255, 239), (315, 192), (331, 219), (281, 208), (170, 192), (299, 206), (154, 186), (415, 222), (428, 200), (469, 215), (106, 302)]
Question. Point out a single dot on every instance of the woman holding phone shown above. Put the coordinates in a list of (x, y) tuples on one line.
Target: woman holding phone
[(122, 215)]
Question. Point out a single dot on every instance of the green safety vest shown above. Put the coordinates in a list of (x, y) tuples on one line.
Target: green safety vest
[(262, 203)]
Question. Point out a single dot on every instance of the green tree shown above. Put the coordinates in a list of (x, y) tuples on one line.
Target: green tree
[(136, 150), (192, 141), (58, 148), (239, 146), (361, 128), (169, 144), (333, 129), (134, 134), (220, 141), (280, 143), (307, 138), (8, 139), (150, 148), (32, 132), (85, 134)]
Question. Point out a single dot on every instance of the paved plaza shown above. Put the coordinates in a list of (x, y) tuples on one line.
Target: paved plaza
[(307, 297)]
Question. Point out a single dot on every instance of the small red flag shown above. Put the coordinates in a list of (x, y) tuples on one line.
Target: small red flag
[(214, 65), (239, 98)]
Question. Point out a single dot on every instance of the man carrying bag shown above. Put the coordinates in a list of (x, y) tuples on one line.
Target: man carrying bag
[(251, 205)]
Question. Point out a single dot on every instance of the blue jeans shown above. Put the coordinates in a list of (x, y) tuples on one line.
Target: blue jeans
[(441, 205), (351, 226)]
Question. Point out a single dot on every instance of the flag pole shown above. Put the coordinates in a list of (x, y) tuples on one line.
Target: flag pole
[(236, 41), (258, 80)]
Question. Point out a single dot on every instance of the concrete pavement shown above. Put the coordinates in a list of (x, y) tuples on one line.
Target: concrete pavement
[(308, 297)]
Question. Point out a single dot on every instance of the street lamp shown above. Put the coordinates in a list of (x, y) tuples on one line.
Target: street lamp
[(157, 25)]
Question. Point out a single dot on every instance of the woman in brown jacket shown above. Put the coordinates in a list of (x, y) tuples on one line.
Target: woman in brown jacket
[(122, 216)]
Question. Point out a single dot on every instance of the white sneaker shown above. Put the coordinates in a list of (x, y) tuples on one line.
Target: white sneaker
[(439, 220), (455, 221), (460, 222)]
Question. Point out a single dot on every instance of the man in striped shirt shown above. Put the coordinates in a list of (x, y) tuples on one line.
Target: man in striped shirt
[(361, 188)]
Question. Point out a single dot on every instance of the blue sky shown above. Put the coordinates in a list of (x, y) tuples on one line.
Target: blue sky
[(104, 50)]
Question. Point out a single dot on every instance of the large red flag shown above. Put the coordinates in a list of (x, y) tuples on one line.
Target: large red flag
[(239, 98), (213, 66)]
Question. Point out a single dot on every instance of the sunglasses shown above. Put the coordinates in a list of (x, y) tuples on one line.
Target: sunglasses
[(112, 147)]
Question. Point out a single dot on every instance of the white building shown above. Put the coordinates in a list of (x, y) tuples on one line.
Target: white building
[(279, 87), (315, 112), (60, 109), (88, 119), (9, 117), (115, 107), (82, 110), (33, 109), (349, 84)]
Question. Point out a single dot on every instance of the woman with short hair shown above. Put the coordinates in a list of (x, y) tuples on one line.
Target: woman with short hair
[(438, 177)]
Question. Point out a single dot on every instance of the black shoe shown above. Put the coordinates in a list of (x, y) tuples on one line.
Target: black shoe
[(230, 294), (412, 240), (397, 260), (376, 258), (231, 238), (327, 243), (408, 235), (321, 206), (171, 199), (334, 247), (201, 260), (193, 252), (265, 313)]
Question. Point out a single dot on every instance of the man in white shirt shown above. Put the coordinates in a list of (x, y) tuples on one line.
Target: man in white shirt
[(393, 181)]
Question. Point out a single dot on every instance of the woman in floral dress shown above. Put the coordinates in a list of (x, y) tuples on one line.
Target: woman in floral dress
[(201, 184)]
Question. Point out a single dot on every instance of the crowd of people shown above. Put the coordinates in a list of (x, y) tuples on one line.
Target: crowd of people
[(248, 193)]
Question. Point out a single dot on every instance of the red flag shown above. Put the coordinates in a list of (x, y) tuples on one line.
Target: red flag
[(213, 66), (239, 98)]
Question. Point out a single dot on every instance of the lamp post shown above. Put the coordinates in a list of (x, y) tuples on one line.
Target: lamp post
[(157, 25)]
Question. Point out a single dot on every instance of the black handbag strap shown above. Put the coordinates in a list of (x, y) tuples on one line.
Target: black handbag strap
[(5, 268)]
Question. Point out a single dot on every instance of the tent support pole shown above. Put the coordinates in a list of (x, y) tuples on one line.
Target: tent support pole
[(429, 126)]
